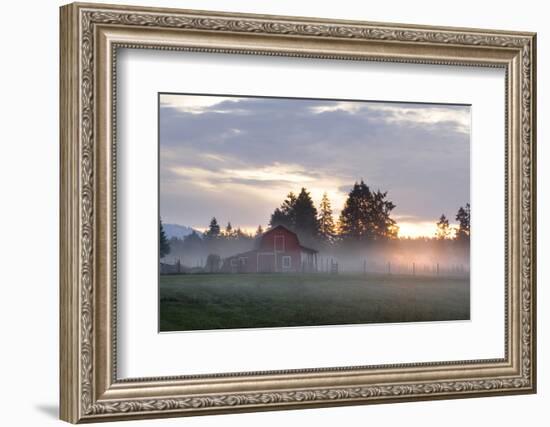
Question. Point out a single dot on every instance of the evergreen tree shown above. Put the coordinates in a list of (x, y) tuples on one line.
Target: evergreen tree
[(366, 215), (298, 213), (305, 215), (229, 233), (326, 222), (463, 218), (353, 219), (259, 231), (288, 209), (278, 218), (213, 230), (383, 226), (240, 234), (443, 229), (285, 214), (164, 246)]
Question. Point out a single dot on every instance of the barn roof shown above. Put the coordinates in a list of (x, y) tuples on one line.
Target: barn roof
[(278, 227)]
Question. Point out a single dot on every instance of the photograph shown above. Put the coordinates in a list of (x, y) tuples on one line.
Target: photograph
[(288, 212), (271, 209)]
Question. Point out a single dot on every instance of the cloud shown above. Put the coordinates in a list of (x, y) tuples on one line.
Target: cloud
[(458, 117), (349, 107), (197, 104), (248, 153), (415, 114), (275, 172)]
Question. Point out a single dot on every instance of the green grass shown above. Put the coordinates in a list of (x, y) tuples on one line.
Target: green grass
[(228, 301)]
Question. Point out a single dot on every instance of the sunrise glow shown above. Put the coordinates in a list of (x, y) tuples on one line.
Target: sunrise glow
[(414, 230), (407, 230)]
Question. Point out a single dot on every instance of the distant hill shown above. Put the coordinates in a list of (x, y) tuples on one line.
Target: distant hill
[(179, 231)]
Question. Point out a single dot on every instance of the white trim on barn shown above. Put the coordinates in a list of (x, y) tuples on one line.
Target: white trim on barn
[(287, 262)]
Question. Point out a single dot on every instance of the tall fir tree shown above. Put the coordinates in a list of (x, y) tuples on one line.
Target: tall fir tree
[(279, 218), (299, 214), (443, 231), (229, 233), (353, 219), (285, 214), (463, 218), (259, 231), (213, 231), (305, 215), (164, 245), (288, 208), (327, 229), (366, 215), (384, 227)]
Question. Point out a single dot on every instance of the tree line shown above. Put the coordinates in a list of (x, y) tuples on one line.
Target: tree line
[(461, 233), (365, 217), (214, 239)]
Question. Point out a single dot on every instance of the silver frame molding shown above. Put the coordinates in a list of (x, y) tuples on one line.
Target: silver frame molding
[(90, 37)]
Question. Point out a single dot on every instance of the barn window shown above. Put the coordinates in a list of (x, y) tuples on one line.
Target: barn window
[(233, 262), (279, 243), (242, 260), (287, 262)]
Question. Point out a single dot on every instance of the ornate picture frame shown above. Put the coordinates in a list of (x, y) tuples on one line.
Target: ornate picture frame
[(90, 37)]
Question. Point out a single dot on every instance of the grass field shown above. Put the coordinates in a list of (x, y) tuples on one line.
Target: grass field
[(227, 301)]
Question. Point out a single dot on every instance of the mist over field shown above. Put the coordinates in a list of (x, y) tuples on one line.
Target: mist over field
[(214, 301), (398, 256)]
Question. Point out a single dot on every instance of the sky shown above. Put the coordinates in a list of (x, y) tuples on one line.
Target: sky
[(236, 158)]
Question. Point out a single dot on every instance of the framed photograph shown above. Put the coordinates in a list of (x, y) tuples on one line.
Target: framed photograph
[(305, 241), (266, 212)]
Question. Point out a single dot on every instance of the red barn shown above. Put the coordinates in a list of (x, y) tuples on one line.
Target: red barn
[(278, 251)]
